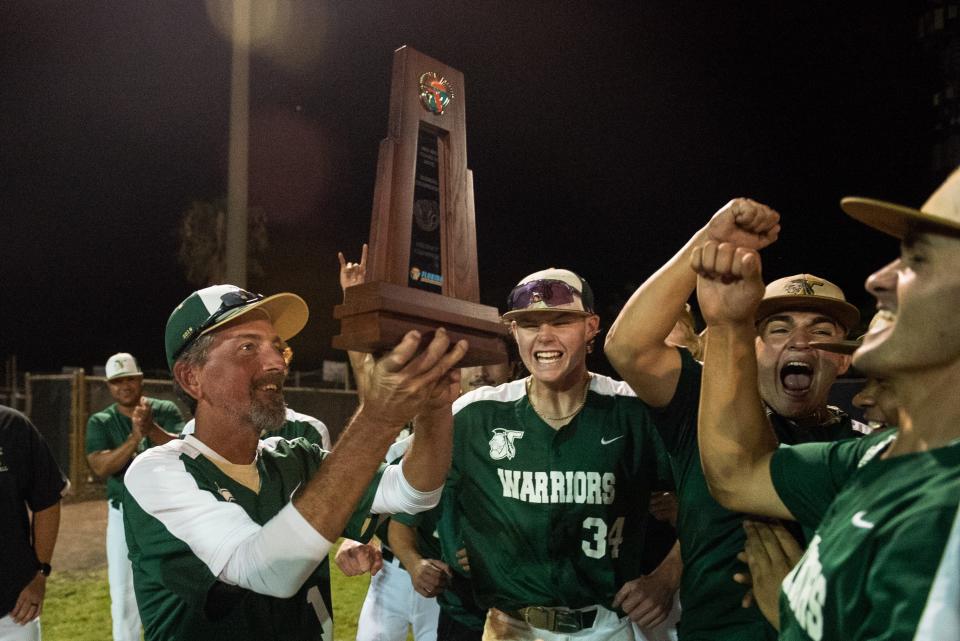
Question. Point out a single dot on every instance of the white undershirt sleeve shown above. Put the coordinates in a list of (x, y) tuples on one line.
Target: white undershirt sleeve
[(279, 557), (396, 495)]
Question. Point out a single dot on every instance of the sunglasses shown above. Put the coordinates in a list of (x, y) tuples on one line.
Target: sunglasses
[(551, 293), (229, 301)]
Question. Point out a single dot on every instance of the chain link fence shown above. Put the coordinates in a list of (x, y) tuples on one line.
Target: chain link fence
[(60, 404)]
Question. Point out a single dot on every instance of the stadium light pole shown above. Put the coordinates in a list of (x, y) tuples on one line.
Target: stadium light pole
[(238, 161)]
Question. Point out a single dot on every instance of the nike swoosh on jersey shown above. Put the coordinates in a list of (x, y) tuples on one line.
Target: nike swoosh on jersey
[(604, 441), (860, 522)]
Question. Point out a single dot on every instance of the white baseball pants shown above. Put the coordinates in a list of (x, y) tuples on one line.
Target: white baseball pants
[(123, 602), (392, 604)]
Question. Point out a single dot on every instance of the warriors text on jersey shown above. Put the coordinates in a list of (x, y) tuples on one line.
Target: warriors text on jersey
[(551, 517), (883, 525)]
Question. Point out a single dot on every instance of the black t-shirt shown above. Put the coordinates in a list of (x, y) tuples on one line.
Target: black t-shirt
[(29, 476)]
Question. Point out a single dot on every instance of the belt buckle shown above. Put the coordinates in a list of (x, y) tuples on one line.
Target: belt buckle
[(568, 621), (540, 617)]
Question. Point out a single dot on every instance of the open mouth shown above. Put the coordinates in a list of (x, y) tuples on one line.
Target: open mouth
[(796, 376), (547, 357), (881, 321), (270, 388)]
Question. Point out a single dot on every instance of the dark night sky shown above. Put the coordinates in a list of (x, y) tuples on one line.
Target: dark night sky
[(600, 134)]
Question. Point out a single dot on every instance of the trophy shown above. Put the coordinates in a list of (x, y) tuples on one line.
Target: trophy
[(422, 264)]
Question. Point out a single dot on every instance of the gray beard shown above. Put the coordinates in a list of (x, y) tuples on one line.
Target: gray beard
[(267, 416)]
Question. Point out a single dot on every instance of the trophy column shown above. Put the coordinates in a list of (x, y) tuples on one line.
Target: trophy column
[(422, 266)]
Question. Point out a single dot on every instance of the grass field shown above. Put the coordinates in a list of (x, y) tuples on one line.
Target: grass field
[(77, 605)]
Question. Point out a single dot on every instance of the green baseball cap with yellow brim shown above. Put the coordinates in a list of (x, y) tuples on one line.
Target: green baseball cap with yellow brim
[(207, 309)]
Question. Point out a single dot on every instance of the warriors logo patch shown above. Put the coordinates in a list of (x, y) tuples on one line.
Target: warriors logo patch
[(501, 445)]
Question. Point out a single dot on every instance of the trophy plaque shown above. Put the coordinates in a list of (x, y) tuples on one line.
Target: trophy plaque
[(422, 264)]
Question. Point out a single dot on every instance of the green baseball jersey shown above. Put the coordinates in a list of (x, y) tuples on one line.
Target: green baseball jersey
[(941, 614), (457, 599), (295, 425), (710, 535), (551, 517), (394, 455), (299, 425), (883, 526), (108, 429), (184, 518)]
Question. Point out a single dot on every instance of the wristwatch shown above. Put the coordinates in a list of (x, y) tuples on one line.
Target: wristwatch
[(45, 569)]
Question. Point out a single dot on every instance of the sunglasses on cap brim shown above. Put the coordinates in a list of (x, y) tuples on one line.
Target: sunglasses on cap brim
[(550, 293), (228, 302)]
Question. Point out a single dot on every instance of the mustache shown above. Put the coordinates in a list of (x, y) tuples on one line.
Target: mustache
[(270, 379)]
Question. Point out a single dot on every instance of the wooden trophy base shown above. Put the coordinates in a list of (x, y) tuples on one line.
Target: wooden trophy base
[(374, 317)]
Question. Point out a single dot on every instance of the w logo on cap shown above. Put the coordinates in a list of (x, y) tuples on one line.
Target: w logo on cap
[(120, 365)]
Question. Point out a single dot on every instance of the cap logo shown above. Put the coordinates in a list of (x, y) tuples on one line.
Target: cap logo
[(118, 363), (187, 333), (802, 287)]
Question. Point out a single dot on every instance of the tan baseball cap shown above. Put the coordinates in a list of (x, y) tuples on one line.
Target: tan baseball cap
[(803, 292), (941, 210)]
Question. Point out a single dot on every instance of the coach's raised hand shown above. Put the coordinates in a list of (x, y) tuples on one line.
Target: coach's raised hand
[(403, 381)]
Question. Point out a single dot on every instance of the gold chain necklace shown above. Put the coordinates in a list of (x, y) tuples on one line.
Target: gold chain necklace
[(576, 410)]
